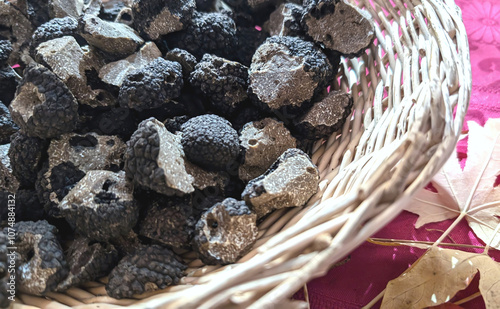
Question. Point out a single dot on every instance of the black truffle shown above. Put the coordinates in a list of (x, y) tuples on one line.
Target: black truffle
[(154, 18), (174, 124), (223, 81), (225, 232), (55, 28), (7, 126), (286, 73), (249, 39), (212, 33), (210, 141), (152, 85), (8, 84), (187, 61), (43, 106), (155, 160), (148, 269), (26, 154), (5, 50), (40, 259)]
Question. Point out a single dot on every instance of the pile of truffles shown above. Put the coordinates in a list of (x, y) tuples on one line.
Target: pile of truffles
[(134, 131)]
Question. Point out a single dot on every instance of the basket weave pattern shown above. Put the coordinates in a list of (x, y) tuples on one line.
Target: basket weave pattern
[(411, 90)]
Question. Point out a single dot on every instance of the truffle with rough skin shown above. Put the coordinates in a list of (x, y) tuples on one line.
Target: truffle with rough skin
[(174, 124), (151, 86), (285, 20), (263, 142), (156, 18), (207, 33), (87, 261), (210, 141), (8, 84), (247, 113), (338, 25), (40, 262), (26, 154), (7, 126), (4, 278), (325, 116), (5, 51), (223, 81), (289, 182), (168, 220), (154, 159), (187, 61), (286, 73), (225, 232), (148, 269), (43, 107), (69, 158), (53, 29), (28, 207), (101, 205), (249, 39)]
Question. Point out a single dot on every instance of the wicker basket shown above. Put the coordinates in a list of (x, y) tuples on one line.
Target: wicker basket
[(411, 90)]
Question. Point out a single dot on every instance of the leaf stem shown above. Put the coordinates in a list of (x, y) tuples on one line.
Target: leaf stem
[(375, 300), (491, 239), (450, 228), (398, 242), (468, 298)]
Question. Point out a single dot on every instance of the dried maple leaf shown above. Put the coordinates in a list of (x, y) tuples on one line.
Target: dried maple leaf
[(438, 275), (469, 193)]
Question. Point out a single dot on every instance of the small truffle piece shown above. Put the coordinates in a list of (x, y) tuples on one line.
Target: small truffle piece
[(44, 106), (225, 232), (154, 18), (88, 260), (53, 29), (8, 181), (187, 61), (289, 182), (111, 37), (155, 160), (286, 73), (223, 81), (5, 51), (7, 126), (40, 262), (325, 116), (210, 141), (263, 142), (8, 84), (148, 269), (125, 16), (174, 124), (338, 25), (101, 206), (114, 73), (207, 33), (169, 220), (285, 20), (26, 154), (5, 286), (152, 85)]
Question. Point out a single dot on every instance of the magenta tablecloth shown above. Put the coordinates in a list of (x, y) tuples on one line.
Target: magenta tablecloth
[(370, 267)]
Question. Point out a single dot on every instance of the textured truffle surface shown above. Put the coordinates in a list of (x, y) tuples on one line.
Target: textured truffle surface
[(40, 259), (223, 81), (148, 269), (325, 116), (53, 29), (225, 232), (8, 84), (101, 205), (7, 125), (155, 160), (290, 181), (26, 155), (263, 142), (5, 51), (187, 60), (154, 18), (286, 73), (338, 25), (210, 141), (43, 106), (151, 86)]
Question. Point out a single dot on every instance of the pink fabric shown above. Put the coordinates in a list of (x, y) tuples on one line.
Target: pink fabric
[(358, 281)]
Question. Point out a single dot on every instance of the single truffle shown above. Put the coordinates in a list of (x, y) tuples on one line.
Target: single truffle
[(43, 107), (212, 33), (338, 25), (40, 259), (7, 126), (289, 182), (210, 141), (223, 81), (88, 260), (286, 73), (152, 85), (169, 220), (155, 160), (53, 29), (26, 154), (148, 269), (187, 61), (225, 232), (111, 37), (156, 18), (101, 205), (285, 20), (263, 142), (325, 116)]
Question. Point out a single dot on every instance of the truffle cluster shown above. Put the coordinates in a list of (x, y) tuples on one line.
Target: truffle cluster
[(132, 130)]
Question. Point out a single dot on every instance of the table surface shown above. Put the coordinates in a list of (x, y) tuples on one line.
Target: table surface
[(365, 275)]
